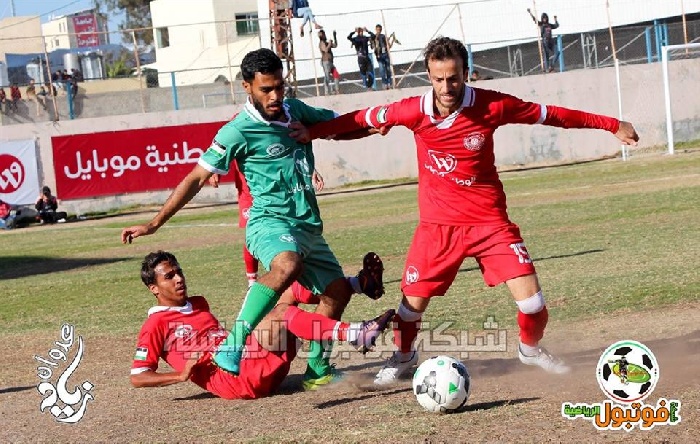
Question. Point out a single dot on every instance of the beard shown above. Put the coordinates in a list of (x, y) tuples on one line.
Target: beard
[(263, 112)]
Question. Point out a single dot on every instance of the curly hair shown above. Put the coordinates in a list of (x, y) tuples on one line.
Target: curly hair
[(261, 60), (443, 48), (151, 261)]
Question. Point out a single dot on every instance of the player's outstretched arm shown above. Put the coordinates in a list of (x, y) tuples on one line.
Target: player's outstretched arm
[(185, 191), (149, 378)]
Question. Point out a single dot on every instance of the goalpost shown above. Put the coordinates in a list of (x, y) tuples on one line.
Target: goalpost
[(667, 88)]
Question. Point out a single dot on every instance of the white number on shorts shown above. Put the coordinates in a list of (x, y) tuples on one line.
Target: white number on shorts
[(521, 252)]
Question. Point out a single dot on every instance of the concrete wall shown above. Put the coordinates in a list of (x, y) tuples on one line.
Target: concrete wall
[(393, 156)]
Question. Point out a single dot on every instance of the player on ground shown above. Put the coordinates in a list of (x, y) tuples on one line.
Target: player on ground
[(460, 196), (183, 332), (285, 229)]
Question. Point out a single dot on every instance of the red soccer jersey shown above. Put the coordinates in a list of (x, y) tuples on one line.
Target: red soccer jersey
[(458, 183), (245, 200)]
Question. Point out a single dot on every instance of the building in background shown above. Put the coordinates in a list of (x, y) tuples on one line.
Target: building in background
[(205, 43), (82, 29), (20, 35)]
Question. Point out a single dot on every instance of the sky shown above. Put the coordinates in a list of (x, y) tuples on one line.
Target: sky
[(48, 8)]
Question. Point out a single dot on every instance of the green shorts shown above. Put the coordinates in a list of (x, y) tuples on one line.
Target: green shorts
[(269, 237)]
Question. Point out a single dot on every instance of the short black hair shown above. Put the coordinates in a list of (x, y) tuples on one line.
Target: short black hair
[(443, 48), (46, 191), (261, 60), (151, 261)]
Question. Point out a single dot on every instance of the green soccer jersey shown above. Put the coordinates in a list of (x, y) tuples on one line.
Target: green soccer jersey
[(277, 168)]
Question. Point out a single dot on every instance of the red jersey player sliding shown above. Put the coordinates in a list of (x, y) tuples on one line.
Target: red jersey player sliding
[(183, 332), (460, 196)]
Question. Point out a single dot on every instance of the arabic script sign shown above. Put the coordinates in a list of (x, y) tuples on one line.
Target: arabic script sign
[(85, 26), (131, 161)]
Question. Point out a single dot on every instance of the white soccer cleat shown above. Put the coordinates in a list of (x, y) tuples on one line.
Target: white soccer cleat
[(546, 361), (395, 368)]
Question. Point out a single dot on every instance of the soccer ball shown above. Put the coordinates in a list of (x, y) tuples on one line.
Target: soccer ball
[(441, 384)]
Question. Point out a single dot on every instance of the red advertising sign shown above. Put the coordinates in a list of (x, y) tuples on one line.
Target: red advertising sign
[(85, 26), (131, 161)]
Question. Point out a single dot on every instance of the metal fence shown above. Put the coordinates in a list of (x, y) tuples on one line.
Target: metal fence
[(129, 77)]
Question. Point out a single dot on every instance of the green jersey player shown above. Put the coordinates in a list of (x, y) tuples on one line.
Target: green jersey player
[(284, 230)]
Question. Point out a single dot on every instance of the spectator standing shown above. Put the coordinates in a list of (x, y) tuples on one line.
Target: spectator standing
[(41, 98), (382, 45), (326, 47), (3, 100), (361, 44), (548, 44), (15, 96), (30, 92), (301, 9)]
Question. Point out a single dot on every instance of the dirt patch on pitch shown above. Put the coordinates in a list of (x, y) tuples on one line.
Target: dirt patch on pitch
[(509, 402)]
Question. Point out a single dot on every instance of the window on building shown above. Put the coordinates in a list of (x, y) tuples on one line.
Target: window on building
[(56, 43), (247, 24), (162, 37)]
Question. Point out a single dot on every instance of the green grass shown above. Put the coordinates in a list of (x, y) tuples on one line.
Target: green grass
[(607, 236)]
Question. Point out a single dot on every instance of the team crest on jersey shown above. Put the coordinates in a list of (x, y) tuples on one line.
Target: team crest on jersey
[(411, 275), (288, 238), (445, 163), (276, 149), (381, 114), (474, 141)]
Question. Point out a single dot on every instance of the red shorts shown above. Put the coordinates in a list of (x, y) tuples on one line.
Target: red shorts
[(262, 371), (243, 212), (437, 252)]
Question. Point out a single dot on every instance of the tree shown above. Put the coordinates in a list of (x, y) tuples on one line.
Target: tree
[(137, 15)]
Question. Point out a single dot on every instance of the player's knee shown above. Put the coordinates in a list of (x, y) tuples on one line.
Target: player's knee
[(533, 304), (288, 266)]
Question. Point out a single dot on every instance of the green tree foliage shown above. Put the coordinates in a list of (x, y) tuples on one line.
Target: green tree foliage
[(137, 15)]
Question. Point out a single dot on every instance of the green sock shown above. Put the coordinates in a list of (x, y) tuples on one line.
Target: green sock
[(257, 303), (318, 363)]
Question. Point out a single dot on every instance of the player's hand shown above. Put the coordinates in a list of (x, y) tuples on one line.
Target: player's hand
[(299, 132), (189, 365), (627, 134), (382, 130), (131, 233), (318, 181), (214, 180)]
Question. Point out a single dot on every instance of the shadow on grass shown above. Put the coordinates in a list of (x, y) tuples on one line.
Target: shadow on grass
[(16, 389), (341, 401), (14, 267), (557, 256), (198, 396), (493, 404)]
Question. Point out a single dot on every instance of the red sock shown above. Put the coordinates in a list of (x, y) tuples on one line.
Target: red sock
[(532, 326), (313, 326), (303, 295), (405, 332), (251, 264)]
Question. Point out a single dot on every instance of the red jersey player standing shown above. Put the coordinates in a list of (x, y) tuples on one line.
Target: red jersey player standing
[(183, 332), (460, 196)]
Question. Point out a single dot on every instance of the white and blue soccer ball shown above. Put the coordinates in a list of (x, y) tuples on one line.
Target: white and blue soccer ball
[(441, 384)]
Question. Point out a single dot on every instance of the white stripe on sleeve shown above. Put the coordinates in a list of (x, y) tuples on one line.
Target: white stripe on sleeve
[(368, 117), (543, 114)]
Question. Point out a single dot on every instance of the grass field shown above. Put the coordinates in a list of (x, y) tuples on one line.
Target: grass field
[(609, 239)]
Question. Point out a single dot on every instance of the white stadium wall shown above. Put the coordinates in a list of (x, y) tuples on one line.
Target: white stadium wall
[(393, 156)]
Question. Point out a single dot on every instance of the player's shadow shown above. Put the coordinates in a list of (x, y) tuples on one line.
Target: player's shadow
[(14, 267), (198, 396), (341, 401), (493, 404), (15, 389), (539, 259)]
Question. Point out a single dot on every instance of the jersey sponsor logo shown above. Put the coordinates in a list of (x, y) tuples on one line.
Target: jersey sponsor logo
[(474, 141), (301, 163), (381, 114), (141, 353), (66, 405), (288, 238), (276, 149), (411, 275), (183, 331), (445, 163)]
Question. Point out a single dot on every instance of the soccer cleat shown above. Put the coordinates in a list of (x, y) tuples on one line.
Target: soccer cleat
[(370, 277), (546, 361), (311, 384), (228, 360), (370, 331), (395, 368)]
